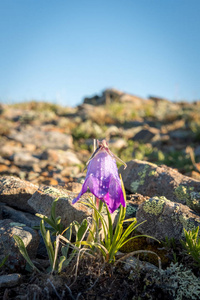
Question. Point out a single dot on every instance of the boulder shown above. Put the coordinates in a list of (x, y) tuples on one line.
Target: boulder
[(151, 180), (26, 218), (164, 218), (42, 199), (15, 192), (30, 237)]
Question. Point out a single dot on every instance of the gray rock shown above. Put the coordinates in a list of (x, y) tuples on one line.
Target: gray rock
[(30, 237), (134, 263), (180, 134), (151, 180), (42, 137), (118, 143), (15, 192), (165, 218), (146, 134), (26, 218), (25, 159), (65, 158), (8, 149), (112, 131), (42, 199), (9, 280)]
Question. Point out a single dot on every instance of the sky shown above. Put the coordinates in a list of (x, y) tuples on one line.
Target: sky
[(61, 51)]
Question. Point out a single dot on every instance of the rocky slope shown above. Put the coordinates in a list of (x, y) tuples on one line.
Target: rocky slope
[(43, 150)]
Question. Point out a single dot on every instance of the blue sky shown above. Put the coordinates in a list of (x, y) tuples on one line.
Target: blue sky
[(61, 51)]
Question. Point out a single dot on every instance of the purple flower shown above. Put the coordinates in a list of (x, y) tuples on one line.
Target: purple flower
[(102, 178)]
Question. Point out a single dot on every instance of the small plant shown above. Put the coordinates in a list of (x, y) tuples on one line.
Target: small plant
[(58, 261), (114, 238), (103, 180), (192, 244), (54, 222)]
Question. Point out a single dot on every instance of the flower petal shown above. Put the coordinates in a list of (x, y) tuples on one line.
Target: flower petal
[(103, 180), (90, 182), (115, 196)]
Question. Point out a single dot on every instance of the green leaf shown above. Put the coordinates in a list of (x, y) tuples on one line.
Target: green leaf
[(23, 251), (108, 238), (53, 210), (82, 229), (60, 264), (47, 241), (3, 261)]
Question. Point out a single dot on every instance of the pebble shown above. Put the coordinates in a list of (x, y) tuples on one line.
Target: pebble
[(9, 280)]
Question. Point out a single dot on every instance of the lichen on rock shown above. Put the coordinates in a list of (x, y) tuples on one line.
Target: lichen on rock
[(194, 201), (176, 281), (154, 205), (187, 222), (181, 192), (137, 183)]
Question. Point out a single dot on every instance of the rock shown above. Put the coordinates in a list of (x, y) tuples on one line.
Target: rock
[(9, 280), (30, 237), (70, 171), (146, 134), (66, 158), (4, 168), (151, 180), (112, 131), (118, 143), (28, 219), (193, 201), (15, 192), (25, 159), (178, 124), (42, 137), (180, 134), (134, 263), (8, 149), (165, 218), (42, 199), (74, 187)]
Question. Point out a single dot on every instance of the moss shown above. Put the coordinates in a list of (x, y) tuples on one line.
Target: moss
[(134, 186), (154, 205), (194, 201), (188, 223), (153, 173), (54, 192), (141, 243), (187, 196), (181, 192), (142, 174), (131, 210)]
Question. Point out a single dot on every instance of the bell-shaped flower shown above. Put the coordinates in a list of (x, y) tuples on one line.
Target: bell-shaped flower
[(102, 178)]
